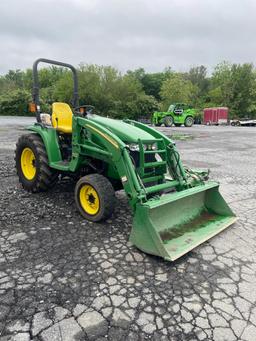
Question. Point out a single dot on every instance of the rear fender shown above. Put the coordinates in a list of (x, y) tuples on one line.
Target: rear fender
[(158, 116), (190, 112), (50, 140), (164, 114)]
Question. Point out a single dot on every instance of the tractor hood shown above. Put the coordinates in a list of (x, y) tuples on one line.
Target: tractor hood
[(125, 131)]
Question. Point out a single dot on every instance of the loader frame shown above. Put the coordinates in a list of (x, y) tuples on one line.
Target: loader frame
[(174, 207), (112, 149)]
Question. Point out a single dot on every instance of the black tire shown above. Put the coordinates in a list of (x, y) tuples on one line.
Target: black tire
[(106, 196), (45, 177), (168, 121), (158, 124), (189, 121), (177, 124)]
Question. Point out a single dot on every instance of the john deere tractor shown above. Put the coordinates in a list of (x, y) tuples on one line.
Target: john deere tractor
[(177, 114), (174, 208)]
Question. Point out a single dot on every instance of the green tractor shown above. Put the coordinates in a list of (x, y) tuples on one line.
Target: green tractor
[(174, 208), (177, 114)]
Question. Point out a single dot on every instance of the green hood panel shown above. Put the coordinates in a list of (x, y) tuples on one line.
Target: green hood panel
[(125, 131)]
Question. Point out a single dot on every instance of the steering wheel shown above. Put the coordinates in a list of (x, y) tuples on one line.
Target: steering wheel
[(83, 110)]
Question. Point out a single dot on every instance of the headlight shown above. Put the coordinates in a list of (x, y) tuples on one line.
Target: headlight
[(151, 146), (154, 146), (134, 147)]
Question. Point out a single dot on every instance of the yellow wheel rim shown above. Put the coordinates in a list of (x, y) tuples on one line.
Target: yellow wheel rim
[(27, 161), (89, 199)]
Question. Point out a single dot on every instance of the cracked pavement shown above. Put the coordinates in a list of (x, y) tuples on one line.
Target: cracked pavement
[(63, 278)]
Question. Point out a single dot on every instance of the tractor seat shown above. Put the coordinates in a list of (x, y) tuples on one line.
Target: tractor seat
[(62, 117)]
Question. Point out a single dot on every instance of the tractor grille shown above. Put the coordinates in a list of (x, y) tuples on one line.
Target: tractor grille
[(150, 168)]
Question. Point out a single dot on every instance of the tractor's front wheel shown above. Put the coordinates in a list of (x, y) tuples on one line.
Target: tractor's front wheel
[(168, 121), (32, 165), (95, 197)]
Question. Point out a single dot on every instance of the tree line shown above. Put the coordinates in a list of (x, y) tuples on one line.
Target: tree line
[(136, 93)]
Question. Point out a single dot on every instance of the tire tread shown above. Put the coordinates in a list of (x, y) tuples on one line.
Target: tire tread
[(46, 177), (105, 191)]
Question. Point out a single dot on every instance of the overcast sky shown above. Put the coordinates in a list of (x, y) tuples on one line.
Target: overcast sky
[(127, 34)]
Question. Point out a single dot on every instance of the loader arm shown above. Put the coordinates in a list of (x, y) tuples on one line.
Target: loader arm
[(175, 223), (116, 150), (175, 165)]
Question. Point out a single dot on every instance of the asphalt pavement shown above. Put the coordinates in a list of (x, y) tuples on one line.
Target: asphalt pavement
[(64, 278)]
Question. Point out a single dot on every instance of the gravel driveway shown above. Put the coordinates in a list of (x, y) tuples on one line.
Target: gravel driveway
[(63, 278)]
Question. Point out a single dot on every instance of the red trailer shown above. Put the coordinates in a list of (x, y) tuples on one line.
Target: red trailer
[(218, 115)]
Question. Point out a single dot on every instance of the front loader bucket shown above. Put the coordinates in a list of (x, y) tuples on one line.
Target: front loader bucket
[(176, 223)]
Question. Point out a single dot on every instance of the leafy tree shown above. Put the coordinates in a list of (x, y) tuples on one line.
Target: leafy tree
[(15, 103), (15, 76), (215, 97), (63, 89), (136, 93), (243, 90), (151, 82), (178, 90), (139, 74), (222, 79), (198, 76), (111, 93), (234, 86)]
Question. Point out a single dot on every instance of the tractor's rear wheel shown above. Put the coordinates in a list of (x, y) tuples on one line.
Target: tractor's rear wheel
[(168, 121), (95, 197), (32, 165), (189, 121)]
